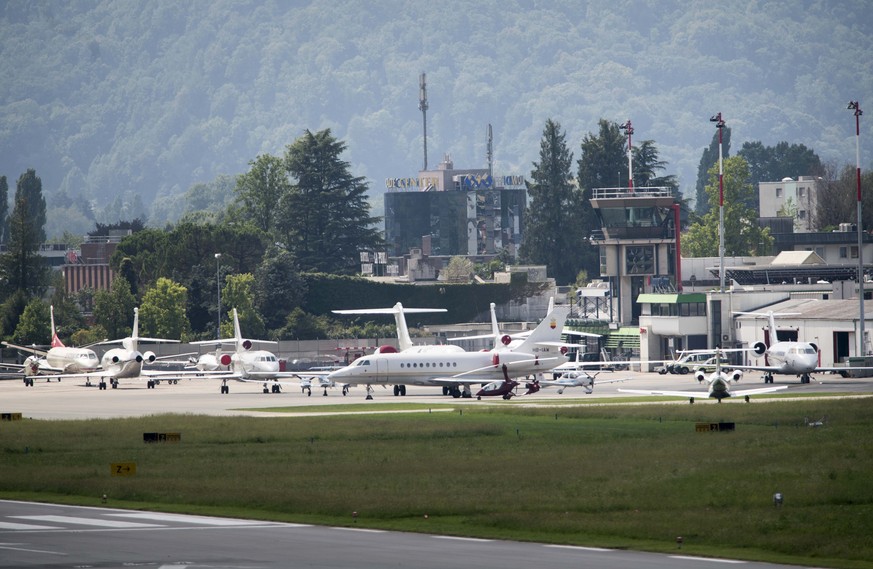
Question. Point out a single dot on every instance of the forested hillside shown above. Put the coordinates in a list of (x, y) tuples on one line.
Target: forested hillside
[(117, 104)]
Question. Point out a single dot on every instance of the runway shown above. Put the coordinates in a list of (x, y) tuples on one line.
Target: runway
[(48, 535), (70, 399), (56, 536)]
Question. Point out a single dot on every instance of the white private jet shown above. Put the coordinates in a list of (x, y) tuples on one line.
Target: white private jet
[(452, 368), (245, 364), (799, 359), (58, 359), (719, 384), (127, 362)]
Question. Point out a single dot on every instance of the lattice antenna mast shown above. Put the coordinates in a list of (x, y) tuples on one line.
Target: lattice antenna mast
[(422, 106)]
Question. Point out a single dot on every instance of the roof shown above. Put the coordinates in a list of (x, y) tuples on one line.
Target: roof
[(655, 298), (798, 258), (814, 309)]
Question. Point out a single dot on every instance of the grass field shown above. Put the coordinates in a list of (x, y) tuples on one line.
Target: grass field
[(632, 477)]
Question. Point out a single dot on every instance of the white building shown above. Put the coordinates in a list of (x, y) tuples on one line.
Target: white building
[(799, 197)]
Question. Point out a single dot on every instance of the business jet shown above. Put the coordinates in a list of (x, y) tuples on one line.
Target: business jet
[(452, 368), (404, 341), (245, 364), (58, 359), (126, 362), (799, 359), (718, 383)]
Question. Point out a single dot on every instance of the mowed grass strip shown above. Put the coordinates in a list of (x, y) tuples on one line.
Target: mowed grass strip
[(616, 476)]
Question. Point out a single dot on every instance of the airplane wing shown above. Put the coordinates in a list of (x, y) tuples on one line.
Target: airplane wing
[(746, 392), (771, 369), (695, 394), (36, 351)]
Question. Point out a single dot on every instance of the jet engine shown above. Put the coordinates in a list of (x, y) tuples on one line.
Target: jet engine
[(31, 365), (736, 375), (149, 357), (759, 348), (225, 359), (247, 344), (700, 375), (505, 339), (386, 350), (563, 350)]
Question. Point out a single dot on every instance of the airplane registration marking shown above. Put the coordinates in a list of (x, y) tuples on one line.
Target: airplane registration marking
[(712, 559), (87, 521)]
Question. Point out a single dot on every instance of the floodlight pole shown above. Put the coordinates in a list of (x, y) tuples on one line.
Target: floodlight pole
[(854, 106), (218, 287), (719, 124)]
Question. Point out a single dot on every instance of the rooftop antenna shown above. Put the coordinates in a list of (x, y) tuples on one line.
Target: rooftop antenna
[(490, 152), (629, 129), (422, 106), (720, 124)]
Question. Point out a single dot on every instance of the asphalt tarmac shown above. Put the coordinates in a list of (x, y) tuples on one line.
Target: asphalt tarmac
[(56, 536), (70, 399)]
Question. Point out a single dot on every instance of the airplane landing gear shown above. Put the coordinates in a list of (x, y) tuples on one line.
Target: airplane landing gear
[(345, 390), (804, 378), (768, 378), (225, 388), (399, 390), (369, 393)]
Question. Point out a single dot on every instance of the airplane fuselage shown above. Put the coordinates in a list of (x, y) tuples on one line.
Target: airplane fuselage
[(257, 361), (72, 360), (792, 357), (422, 368)]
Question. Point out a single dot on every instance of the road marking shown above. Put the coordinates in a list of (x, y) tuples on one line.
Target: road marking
[(365, 530), (12, 525), (183, 518), (86, 521), (10, 547), (712, 559), (583, 548), (461, 538)]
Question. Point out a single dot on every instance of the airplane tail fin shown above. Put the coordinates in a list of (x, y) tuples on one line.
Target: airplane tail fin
[(56, 342), (548, 331), (495, 328), (404, 341), (237, 333)]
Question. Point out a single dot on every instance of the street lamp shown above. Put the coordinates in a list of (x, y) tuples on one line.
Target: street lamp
[(629, 129), (719, 124), (854, 106), (218, 286)]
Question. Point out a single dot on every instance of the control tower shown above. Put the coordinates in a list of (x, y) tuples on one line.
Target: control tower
[(638, 244)]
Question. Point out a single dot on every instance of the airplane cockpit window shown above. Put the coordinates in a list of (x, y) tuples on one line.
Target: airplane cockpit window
[(363, 362), (808, 350)]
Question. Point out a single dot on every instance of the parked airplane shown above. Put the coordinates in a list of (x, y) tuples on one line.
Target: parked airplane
[(126, 362), (404, 341), (506, 388), (453, 368), (719, 385), (58, 359), (799, 359), (577, 379), (245, 364)]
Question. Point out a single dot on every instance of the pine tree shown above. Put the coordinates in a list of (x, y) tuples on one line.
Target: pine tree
[(557, 223), (325, 218)]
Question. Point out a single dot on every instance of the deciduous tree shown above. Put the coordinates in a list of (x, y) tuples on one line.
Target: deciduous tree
[(162, 311), (743, 235)]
